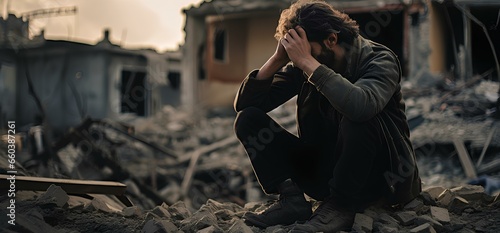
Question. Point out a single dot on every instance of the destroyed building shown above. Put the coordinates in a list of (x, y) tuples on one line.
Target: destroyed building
[(74, 80), (187, 172), (226, 39)]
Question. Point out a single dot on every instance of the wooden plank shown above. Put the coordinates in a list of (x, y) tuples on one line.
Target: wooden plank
[(68, 185), (465, 160)]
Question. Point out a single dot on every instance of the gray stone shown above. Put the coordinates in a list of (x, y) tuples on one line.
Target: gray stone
[(470, 192), (54, 194), (388, 220), (362, 223), (424, 228), (159, 226), (440, 214), (428, 199), (388, 229), (458, 204), (32, 222), (371, 213), (428, 219), (445, 198), (179, 211), (99, 204), (161, 212), (414, 205), (406, 217), (240, 227), (434, 191), (210, 229), (132, 211), (202, 218)]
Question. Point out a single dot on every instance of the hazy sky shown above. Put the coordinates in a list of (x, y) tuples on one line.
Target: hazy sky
[(134, 23)]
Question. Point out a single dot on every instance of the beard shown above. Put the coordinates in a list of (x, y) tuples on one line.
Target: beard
[(326, 57)]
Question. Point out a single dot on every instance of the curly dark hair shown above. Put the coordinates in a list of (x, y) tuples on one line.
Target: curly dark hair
[(318, 19)]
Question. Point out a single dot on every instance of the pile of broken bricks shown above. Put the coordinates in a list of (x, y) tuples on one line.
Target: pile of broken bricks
[(437, 209)]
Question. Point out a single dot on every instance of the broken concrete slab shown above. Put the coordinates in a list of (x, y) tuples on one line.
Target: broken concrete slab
[(424, 228), (179, 211), (54, 194), (388, 220), (99, 204), (240, 227), (161, 212), (470, 192), (428, 219), (76, 201), (414, 205), (159, 226), (132, 211), (440, 214), (445, 197), (434, 191), (406, 217), (362, 222), (458, 204)]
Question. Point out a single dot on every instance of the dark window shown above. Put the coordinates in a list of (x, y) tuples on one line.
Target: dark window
[(220, 45), (133, 92), (175, 80)]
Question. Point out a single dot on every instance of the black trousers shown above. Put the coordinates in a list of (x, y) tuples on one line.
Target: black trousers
[(350, 167)]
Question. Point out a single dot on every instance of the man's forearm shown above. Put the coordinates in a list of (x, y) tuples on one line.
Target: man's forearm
[(269, 68)]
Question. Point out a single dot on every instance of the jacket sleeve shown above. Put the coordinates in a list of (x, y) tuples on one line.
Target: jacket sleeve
[(362, 100), (269, 93)]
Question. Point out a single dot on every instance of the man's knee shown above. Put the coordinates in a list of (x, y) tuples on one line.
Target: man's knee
[(246, 118)]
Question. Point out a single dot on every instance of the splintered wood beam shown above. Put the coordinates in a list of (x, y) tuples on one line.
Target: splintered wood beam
[(68, 185), (465, 160)]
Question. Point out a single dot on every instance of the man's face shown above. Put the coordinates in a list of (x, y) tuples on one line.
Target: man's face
[(322, 54)]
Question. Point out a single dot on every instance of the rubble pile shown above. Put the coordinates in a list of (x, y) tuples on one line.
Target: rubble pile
[(437, 209)]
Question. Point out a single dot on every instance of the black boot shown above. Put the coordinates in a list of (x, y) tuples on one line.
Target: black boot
[(290, 208)]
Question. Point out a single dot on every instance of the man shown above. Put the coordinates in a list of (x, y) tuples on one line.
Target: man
[(353, 147)]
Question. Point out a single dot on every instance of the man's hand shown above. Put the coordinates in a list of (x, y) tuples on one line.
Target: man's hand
[(298, 49), (275, 63)]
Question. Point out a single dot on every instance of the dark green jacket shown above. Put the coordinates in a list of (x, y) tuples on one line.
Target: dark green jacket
[(370, 87)]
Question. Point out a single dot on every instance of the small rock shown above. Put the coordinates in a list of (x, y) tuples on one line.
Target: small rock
[(240, 227), (371, 213), (159, 226), (406, 217), (179, 211), (434, 191), (252, 206), (362, 223), (470, 192), (54, 194), (445, 198), (200, 219), (388, 220), (132, 211), (428, 219), (387, 229), (424, 228), (99, 204), (161, 212), (440, 214), (414, 205), (458, 204), (76, 201), (32, 222), (428, 199), (210, 229)]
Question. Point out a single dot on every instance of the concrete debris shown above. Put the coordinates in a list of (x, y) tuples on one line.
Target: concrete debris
[(424, 228), (362, 223), (54, 194), (440, 214), (214, 216)]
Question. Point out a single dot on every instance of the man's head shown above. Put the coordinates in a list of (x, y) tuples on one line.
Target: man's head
[(319, 20)]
